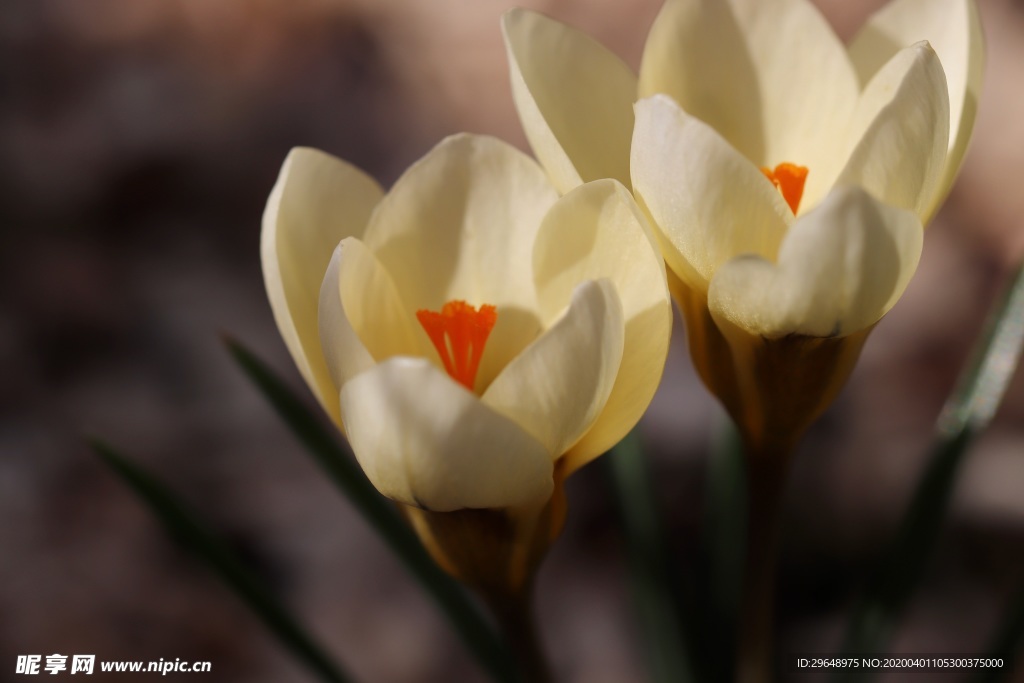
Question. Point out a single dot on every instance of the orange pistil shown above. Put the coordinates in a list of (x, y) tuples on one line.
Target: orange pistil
[(789, 179), (459, 333)]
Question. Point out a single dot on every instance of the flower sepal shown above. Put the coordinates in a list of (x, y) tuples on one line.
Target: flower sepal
[(773, 389), (494, 551)]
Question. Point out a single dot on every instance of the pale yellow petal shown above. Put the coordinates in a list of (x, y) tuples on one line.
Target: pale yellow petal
[(559, 384), (597, 231), (840, 269), (424, 440), (904, 115), (372, 304), (708, 202), (317, 201), (460, 224), (771, 77), (574, 98), (954, 29), (362, 320), (344, 352)]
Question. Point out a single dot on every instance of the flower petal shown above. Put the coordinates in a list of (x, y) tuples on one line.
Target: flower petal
[(840, 269), (316, 201), (424, 440), (598, 231), (460, 224), (574, 98), (708, 202), (362, 320), (900, 131), (559, 384), (954, 29), (343, 351), (771, 77)]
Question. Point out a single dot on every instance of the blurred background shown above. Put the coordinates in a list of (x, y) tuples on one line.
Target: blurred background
[(139, 140)]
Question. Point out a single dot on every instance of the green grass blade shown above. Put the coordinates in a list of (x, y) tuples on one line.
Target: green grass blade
[(650, 567), (967, 412), (1006, 645), (218, 557), (323, 445), (980, 390)]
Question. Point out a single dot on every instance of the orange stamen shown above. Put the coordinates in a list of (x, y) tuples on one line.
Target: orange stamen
[(459, 333), (789, 179)]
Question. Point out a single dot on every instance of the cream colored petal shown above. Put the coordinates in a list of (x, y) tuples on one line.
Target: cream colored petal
[(598, 231), (362, 321), (344, 352), (423, 440), (709, 203), (460, 224), (840, 269), (372, 304), (574, 98), (954, 29), (904, 115), (559, 384), (317, 201), (771, 77)]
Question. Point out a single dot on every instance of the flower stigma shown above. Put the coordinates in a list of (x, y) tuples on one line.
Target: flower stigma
[(789, 180), (459, 332)]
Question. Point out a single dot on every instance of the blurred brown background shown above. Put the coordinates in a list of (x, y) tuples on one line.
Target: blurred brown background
[(139, 139)]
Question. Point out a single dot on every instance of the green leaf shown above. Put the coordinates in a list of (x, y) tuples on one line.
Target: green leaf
[(650, 567), (1006, 645), (218, 557), (980, 390), (968, 411), (339, 464)]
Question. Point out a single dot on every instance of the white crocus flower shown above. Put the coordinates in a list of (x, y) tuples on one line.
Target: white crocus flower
[(788, 176), (477, 337), (770, 76)]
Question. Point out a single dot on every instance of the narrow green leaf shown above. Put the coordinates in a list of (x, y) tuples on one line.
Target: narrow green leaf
[(720, 565), (650, 567), (218, 557), (968, 411), (1006, 645), (339, 464), (980, 390)]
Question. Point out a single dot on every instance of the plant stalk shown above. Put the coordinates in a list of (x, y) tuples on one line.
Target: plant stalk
[(515, 619), (766, 479)]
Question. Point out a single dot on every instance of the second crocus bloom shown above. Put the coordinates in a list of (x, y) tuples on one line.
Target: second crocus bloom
[(788, 176), (477, 337)]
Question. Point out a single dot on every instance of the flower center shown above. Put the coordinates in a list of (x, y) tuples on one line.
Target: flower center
[(789, 179), (459, 333)]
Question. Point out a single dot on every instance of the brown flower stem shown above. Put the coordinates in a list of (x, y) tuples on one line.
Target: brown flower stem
[(766, 479), (515, 619)]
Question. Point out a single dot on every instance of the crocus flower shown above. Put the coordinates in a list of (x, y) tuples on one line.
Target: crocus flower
[(476, 337), (788, 176)]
